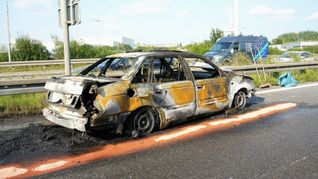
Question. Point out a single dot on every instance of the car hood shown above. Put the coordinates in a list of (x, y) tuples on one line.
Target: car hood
[(213, 54)]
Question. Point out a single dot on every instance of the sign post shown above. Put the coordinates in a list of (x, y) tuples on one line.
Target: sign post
[(68, 15)]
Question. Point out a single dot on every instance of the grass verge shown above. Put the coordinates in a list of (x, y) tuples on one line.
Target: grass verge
[(22, 104), (37, 68), (302, 76)]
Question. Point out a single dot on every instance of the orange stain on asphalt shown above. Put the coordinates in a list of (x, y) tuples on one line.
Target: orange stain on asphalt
[(133, 146)]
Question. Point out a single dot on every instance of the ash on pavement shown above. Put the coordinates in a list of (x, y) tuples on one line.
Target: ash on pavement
[(39, 141)]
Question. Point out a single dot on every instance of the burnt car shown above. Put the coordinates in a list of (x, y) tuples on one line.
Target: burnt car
[(143, 91)]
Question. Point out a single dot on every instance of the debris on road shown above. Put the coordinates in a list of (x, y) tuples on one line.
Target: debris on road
[(39, 141), (287, 80)]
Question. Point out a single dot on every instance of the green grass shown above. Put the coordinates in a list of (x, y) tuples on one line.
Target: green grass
[(303, 76), (37, 68), (20, 105)]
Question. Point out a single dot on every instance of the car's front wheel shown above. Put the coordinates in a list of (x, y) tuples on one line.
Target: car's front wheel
[(142, 122), (239, 101)]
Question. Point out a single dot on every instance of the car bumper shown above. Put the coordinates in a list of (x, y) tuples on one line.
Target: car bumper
[(66, 120)]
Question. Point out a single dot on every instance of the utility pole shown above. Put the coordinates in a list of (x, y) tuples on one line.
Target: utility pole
[(8, 31), (66, 34), (98, 27)]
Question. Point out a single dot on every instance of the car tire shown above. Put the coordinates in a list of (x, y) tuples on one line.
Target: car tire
[(141, 123), (239, 101)]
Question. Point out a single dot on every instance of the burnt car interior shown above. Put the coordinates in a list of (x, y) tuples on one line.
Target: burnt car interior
[(163, 70), (202, 70)]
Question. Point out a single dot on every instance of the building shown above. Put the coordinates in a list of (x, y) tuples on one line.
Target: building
[(285, 47), (128, 41)]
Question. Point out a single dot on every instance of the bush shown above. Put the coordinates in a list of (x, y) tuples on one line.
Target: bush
[(239, 58), (3, 57), (26, 48), (311, 49), (275, 51), (199, 48)]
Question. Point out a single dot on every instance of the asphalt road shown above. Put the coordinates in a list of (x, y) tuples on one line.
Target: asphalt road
[(282, 146)]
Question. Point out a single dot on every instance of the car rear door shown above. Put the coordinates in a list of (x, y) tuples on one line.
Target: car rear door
[(173, 91)]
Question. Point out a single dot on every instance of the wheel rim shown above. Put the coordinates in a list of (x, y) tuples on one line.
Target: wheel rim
[(144, 122), (240, 100)]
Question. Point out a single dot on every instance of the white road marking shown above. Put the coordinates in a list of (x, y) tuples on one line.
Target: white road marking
[(255, 114), (225, 121), (50, 166), (181, 133), (286, 89), (12, 172)]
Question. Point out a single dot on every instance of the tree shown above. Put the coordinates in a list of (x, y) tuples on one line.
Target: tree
[(296, 37), (4, 57), (58, 47), (203, 47), (199, 48), (81, 50), (26, 48), (215, 34), (3, 54)]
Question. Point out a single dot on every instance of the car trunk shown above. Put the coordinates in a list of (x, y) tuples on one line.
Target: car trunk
[(70, 100)]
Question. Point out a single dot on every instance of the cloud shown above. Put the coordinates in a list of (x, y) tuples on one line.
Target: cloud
[(313, 16), (261, 10), (182, 13), (106, 30), (144, 7), (272, 13), (25, 4)]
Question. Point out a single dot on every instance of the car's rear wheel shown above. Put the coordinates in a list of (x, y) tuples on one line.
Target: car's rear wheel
[(142, 122), (239, 101)]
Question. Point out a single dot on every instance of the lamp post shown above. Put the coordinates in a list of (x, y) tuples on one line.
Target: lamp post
[(8, 31)]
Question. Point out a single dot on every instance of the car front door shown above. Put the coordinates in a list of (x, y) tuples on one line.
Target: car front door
[(210, 85)]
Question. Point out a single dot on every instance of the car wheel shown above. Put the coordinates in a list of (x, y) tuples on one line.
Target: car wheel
[(239, 101), (142, 123)]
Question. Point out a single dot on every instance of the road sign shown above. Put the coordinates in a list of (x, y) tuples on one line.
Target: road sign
[(73, 12)]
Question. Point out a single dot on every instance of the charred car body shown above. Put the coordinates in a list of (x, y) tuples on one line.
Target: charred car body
[(141, 91)]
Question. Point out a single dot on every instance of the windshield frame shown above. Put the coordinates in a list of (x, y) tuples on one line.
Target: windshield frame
[(108, 61)]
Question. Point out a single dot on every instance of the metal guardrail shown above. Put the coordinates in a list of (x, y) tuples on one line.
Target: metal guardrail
[(45, 62), (11, 87)]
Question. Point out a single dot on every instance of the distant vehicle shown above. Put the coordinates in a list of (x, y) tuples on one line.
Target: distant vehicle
[(142, 91), (292, 56), (253, 46)]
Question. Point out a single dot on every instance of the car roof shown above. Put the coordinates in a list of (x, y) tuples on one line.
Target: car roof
[(154, 53), (240, 38)]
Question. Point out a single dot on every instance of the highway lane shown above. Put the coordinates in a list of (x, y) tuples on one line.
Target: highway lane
[(281, 146)]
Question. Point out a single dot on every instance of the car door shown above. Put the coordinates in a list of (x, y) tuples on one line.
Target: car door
[(173, 91), (210, 85)]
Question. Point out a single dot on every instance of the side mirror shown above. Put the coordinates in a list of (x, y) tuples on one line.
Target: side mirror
[(130, 92)]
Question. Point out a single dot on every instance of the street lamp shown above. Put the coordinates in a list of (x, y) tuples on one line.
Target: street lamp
[(97, 29), (8, 31)]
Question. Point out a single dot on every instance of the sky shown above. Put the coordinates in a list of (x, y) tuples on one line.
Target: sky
[(157, 21)]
